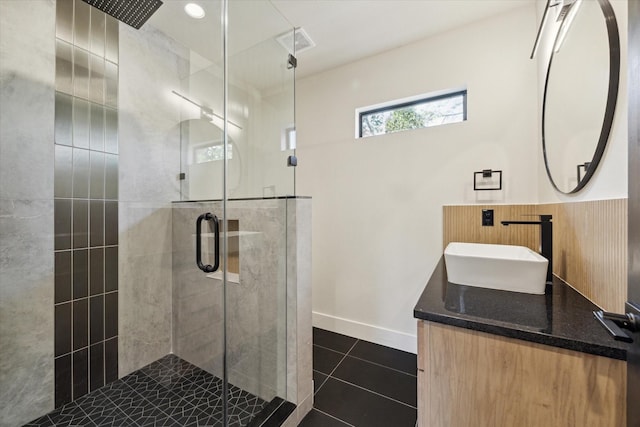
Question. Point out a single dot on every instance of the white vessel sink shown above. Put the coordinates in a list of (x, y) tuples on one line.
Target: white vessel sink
[(503, 267)]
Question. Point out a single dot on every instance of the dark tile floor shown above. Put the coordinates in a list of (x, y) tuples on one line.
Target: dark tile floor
[(168, 392), (358, 383)]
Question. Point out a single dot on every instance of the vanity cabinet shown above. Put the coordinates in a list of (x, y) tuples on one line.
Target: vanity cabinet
[(471, 378)]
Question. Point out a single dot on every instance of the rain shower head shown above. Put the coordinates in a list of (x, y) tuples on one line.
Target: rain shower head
[(132, 12)]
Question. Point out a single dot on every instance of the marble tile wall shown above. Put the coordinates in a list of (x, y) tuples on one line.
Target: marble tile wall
[(27, 78), (268, 311), (299, 326), (151, 65), (255, 305)]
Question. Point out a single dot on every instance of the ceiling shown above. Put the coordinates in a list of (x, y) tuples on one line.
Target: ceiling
[(348, 30), (343, 30)]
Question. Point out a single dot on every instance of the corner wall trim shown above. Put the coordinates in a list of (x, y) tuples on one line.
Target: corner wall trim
[(376, 334)]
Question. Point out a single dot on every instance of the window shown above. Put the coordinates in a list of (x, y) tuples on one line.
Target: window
[(209, 153), (412, 113)]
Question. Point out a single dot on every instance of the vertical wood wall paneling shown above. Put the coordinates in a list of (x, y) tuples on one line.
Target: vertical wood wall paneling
[(590, 241), (464, 224)]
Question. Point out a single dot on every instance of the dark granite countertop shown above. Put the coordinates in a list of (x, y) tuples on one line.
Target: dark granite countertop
[(561, 318)]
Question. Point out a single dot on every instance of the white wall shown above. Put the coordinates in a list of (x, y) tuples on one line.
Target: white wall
[(610, 179), (377, 220)]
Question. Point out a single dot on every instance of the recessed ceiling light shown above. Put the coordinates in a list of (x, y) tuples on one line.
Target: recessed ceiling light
[(194, 10)]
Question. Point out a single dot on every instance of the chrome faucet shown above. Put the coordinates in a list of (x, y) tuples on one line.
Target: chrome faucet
[(546, 240)]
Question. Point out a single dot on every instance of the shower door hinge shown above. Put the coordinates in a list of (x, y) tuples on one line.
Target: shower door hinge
[(292, 62)]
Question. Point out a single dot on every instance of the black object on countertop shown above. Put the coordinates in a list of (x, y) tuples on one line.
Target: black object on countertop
[(561, 318)]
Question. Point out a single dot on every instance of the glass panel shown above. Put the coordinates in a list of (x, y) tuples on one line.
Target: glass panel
[(196, 88), (261, 108), (261, 126), (133, 111)]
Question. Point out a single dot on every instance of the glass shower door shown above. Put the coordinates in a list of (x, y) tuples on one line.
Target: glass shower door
[(114, 162), (241, 326)]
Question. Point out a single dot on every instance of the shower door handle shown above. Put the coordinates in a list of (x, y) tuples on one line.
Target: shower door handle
[(208, 268)]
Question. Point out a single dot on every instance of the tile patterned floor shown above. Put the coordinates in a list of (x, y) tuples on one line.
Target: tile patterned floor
[(168, 392), (358, 383)]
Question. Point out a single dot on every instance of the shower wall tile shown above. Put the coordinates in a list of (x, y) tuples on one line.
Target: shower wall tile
[(97, 79), (145, 228), (96, 175), (96, 269), (96, 223), (64, 20), (98, 27), (62, 277), (80, 73), (111, 39), (96, 141), (148, 148), (111, 177), (111, 223), (80, 173), (80, 273), (62, 325), (80, 373), (111, 84), (80, 324), (110, 269), (80, 223), (96, 366), (64, 67), (257, 338), (81, 183), (81, 125), (81, 21), (110, 130), (63, 161), (110, 315), (63, 117), (299, 300), (62, 390), (144, 309), (96, 320), (27, 93), (62, 228), (27, 319), (110, 360), (150, 143)]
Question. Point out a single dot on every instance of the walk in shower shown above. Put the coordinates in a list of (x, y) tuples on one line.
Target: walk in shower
[(154, 256)]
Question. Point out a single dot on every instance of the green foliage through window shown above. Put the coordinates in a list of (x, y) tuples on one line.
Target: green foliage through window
[(211, 153), (425, 112)]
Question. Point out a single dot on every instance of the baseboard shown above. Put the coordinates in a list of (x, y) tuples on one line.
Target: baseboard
[(364, 331)]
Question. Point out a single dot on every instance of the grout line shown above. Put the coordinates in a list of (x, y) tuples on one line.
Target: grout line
[(336, 367), (383, 366), (338, 364), (332, 416), (331, 349), (354, 344), (325, 380), (344, 357), (374, 392)]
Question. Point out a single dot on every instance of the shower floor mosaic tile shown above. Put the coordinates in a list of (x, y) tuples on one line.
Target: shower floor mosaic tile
[(168, 392)]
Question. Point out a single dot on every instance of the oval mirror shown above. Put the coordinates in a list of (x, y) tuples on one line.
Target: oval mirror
[(203, 160), (580, 94)]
